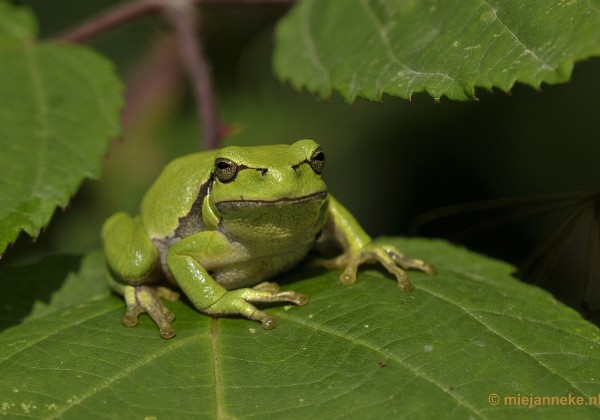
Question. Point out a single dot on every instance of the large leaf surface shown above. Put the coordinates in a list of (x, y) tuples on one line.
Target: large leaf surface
[(58, 110), (364, 48), (363, 351)]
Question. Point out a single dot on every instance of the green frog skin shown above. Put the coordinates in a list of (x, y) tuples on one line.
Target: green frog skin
[(219, 224)]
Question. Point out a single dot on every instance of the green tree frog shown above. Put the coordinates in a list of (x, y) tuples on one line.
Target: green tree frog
[(219, 224)]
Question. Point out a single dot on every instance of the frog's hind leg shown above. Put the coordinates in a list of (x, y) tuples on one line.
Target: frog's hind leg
[(135, 269)]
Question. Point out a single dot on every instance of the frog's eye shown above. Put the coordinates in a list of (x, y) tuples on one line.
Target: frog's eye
[(317, 161), (225, 170)]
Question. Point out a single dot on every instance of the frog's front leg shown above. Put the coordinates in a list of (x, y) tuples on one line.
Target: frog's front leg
[(186, 261), (134, 266), (359, 249)]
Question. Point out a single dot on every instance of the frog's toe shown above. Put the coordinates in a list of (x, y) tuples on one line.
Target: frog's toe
[(348, 275), (240, 302), (268, 321), (167, 293), (253, 295), (408, 263), (167, 331), (130, 319), (298, 298), (393, 267), (140, 299), (329, 263), (274, 294), (267, 286)]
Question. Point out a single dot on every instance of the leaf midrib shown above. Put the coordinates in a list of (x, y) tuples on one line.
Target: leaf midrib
[(42, 134)]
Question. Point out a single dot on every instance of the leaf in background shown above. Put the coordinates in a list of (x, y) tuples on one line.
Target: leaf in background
[(58, 111), (36, 290), (361, 351), (364, 48)]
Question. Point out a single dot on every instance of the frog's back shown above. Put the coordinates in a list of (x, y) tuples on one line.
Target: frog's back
[(174, 192)]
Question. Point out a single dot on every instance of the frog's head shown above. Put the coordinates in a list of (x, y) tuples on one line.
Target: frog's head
[(280, 182)]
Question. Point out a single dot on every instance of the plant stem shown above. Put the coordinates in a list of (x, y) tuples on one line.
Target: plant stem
[(116, 16), (154, 82), (181, 14), (127, 12), (241, 2)]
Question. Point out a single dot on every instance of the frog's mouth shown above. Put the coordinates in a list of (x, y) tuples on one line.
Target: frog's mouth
[(225, 206)]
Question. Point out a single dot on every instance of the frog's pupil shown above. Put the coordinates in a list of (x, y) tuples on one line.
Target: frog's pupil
[(317, 161)]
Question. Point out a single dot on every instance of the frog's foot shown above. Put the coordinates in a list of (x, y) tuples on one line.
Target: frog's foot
[(239, 302), (267, 286), (140, 299), (388, 256)]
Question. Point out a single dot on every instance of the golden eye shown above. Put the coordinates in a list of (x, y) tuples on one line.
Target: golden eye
[(317, 161), (225, 170)]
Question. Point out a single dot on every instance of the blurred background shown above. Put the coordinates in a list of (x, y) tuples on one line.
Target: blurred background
[(388, 162)]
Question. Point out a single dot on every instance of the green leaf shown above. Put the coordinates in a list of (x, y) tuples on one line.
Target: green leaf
[(34, 291), (365, 48), (58, 111), (16, 24), (361, 351)]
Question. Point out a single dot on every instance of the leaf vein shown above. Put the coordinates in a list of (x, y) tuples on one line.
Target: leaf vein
[(526, 50), (124, 372), (492, 330), (379, 28), (389, 355), (49, 335), (311, 45)]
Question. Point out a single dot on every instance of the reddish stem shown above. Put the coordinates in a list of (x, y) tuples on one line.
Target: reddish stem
[(182, 16), (116, 16), (127, 12)]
